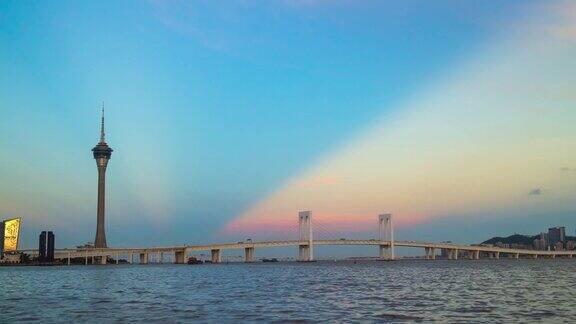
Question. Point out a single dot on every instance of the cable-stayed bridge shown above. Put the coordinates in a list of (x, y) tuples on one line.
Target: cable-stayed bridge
[(305, 243)]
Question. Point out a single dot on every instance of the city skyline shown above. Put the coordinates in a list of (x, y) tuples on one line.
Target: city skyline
[(238, 146)]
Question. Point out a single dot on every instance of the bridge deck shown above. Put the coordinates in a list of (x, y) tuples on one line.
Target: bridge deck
[(74, 253)]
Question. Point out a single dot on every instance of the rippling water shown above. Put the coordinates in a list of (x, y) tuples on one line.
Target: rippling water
[(416, 290)]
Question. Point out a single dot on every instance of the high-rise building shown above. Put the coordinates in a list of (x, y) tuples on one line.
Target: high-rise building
[(42, 247), (50, 247), (555, 235), (536, 244), (102, 153), (46, 247), (544, 241)]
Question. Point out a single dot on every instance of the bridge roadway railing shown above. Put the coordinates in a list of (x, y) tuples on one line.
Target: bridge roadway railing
[(185, 249), (480, 248)]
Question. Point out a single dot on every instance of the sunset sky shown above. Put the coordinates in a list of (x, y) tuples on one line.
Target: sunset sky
[(228, 117)]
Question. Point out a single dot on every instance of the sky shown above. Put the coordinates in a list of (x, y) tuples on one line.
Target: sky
[(228, 117)]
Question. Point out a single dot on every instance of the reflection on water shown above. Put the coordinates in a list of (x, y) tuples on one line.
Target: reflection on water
[(417, 290)]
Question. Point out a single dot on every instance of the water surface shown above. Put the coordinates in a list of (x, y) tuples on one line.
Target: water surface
[(408, 290)]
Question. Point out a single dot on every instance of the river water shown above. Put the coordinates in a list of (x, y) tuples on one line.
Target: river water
[(343, 291)]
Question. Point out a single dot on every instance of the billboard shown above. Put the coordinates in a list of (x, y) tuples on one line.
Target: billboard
[(1, 239), (11, 233)]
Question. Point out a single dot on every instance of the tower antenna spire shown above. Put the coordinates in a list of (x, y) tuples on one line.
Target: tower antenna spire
[(102, 135)]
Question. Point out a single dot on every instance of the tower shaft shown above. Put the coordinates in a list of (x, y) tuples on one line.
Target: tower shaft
[(100, 240)]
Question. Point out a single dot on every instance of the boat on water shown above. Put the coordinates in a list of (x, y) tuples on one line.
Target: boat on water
[(194, 260), (270, 260)]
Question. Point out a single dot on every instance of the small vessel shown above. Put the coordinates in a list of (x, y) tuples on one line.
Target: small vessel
[(193, 260), (270, 260)]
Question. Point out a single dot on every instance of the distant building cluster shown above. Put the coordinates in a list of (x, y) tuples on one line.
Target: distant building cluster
[(554, 240)]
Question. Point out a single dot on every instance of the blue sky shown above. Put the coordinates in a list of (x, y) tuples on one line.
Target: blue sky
[(210, 106)]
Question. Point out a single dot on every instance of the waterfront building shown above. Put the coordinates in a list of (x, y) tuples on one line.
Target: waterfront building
[(556, 234), (46, 247), (544, 240), (11, 258), (50, 247), (559, 246), (42, 246), (540, 243), (536, 244)]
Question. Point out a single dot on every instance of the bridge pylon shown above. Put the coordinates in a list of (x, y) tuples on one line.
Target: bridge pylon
[(306, 243), (386, 233)]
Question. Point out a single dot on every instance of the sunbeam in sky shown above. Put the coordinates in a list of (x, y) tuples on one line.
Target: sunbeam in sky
[(230, 117), (492, 134)]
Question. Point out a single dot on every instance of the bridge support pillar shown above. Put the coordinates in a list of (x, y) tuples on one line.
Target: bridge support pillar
[(306, 246), (68, 258), (477, 255), (535, 256), (86, 258), (304, 253), (130, 257), (249, 254), (430, 253), (180, 257), (144, 258), (517, 256), (103, 259), (385, 252), (216, 256), (497, 255), (570, 256), (386, 233), (452, 254), (160, 257)]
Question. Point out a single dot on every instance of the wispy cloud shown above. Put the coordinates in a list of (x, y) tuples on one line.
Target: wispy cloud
[(314, 3), (229, 26), (189, 19), (564, 26), (535, 192)]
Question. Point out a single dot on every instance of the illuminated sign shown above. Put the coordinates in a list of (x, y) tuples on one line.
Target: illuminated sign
[(11, 232)]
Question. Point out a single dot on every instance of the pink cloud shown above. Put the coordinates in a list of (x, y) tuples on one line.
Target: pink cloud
[(563, 21), (326, 225)]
